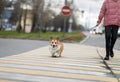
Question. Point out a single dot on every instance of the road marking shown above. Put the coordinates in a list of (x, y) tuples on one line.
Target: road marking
[(71, 66), (60, 60), (52, 65), (7, 81), (57, 74), (63, 70), (38, 78), (58, 63)]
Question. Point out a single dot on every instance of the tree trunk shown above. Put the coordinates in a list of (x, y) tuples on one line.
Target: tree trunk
[(25, 17), (19, 28)]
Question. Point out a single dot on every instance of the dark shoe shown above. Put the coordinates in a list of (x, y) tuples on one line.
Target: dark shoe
[(111, 54), (106, 58)]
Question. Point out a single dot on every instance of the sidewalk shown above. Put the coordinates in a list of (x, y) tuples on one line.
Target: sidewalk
[(79, 63)]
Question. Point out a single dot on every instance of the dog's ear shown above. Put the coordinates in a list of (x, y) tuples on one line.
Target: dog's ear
[(51, 38)]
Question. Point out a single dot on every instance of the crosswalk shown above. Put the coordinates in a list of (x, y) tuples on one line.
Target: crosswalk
[(38, 66), (113, 63)]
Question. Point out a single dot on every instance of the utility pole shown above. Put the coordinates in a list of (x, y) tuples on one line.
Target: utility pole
[(65, 2)]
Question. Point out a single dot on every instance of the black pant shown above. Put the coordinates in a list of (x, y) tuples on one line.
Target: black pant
[(111, 32)]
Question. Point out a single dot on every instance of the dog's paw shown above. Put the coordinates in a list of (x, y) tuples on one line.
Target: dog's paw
[(53, 56), (60, 56)]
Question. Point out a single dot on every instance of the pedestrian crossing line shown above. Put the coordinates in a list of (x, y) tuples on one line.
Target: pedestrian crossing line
[(62, 61), (50, 59), (113, 63), (116, 69), (59, 63), (59, 59), (55, 66), (7, 81), (118, 65), (65, 55), (116, 72), (38, 78), (57, 74), (53, 69), (114, 66), (62, 58)]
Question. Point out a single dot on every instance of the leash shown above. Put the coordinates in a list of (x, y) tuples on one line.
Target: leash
[(70, 37)]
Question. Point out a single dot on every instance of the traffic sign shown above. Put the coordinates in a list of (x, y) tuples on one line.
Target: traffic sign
[(66, 10)]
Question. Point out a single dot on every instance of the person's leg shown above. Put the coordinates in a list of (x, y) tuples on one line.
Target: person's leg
[(107, 38), (113, 38)]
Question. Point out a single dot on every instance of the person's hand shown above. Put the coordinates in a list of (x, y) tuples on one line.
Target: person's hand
[(96, 25)]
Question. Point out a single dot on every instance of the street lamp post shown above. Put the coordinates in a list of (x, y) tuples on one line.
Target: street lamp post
[(70, 24), (82, 13)]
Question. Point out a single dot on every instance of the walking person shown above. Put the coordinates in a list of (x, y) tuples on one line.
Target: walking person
[(110, 11)]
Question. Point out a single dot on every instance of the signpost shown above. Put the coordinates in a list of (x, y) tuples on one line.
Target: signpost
[(66, 12)]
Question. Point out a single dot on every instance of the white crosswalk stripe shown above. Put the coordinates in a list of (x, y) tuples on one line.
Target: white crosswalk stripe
[(38, 66)]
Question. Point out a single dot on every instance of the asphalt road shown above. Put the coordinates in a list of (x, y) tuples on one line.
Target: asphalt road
[(27, 68), (99, 40), (16, 46)]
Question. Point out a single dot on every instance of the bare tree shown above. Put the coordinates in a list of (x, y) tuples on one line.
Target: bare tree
[(38, 7), (19, 11), (2, 7)]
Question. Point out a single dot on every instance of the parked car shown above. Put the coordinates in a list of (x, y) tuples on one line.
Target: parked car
[(96, 31), (92, 31)]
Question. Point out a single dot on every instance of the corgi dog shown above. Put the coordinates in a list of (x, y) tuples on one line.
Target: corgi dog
[(55, 47)]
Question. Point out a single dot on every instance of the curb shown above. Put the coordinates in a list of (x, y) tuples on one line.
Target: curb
[(107, 66), (81, 42)]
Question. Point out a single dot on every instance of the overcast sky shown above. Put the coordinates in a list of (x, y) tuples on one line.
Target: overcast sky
[(92, 6)]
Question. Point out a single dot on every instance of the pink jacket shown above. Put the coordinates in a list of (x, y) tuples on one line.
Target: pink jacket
[(110, 11)]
